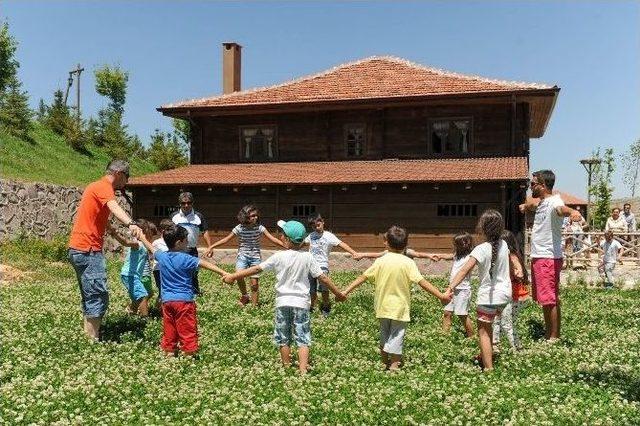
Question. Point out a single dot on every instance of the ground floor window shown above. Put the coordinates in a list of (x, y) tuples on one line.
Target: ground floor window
[(457, 210), (163, 211), (302, 211)]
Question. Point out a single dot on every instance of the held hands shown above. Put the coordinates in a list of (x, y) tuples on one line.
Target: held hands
[(447, 296), (341, 297), (228, 278), (434, 258), (357, 256), (209, 252)]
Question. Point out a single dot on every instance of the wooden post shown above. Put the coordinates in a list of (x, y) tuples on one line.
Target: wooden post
[(277, 203), (330, 207)]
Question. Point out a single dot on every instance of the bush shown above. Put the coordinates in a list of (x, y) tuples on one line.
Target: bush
[(36, 249)]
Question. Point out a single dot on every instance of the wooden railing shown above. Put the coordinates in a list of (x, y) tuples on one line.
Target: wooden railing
[(583, 249)]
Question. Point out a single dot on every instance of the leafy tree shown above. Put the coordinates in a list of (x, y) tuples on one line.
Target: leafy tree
[(8, 64), (15, 115), (631, 164), (111, 82), (601, 188), (182, 129), (167, 151)]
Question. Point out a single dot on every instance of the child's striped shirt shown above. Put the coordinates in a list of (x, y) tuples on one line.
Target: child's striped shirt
[(249, 239)]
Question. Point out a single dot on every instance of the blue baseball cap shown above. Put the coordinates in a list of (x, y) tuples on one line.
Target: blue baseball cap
[(294, 230)]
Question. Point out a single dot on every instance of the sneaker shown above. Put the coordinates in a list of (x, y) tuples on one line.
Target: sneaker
[(244, 300)]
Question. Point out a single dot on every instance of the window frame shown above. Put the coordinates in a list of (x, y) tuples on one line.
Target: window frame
[(470, 137), (241, 145), (472, 210), (345, 132), (311, 208)]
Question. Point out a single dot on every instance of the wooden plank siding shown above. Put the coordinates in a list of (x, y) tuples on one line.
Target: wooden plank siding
[(401, 132)]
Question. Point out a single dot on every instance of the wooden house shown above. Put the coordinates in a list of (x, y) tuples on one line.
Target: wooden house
[(372, 143)]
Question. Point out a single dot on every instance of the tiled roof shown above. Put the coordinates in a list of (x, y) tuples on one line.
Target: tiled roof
[(342, 172), (376, 78), (566, 197)]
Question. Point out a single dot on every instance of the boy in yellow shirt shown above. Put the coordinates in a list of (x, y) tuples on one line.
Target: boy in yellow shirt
[(392, 275)]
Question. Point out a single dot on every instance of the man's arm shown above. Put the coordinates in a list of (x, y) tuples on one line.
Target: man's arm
[(529, 206), (355, 284), (326, 281), (229, 278), (564, 211), (212, 267), (122, 240), (122, 216)]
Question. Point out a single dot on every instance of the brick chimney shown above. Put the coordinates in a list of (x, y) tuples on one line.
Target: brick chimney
[(231, 53)]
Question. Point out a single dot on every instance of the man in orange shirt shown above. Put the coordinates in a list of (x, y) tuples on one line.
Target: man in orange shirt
[(87, 236)]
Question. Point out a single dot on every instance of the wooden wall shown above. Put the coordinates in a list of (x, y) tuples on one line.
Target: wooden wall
[(391, 133), (359, 214)]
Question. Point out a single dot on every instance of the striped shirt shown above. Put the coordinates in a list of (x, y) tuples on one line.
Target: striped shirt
[(249, 240)]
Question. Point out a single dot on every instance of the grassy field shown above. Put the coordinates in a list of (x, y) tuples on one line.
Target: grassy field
[(48, 158), (51, 375)]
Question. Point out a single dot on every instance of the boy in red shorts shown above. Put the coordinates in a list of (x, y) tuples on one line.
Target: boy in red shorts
[(179, 321), (546, 248)]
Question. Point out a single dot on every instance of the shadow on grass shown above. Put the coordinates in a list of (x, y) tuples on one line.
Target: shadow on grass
[(613, 378), (126, 327), (536, 329)]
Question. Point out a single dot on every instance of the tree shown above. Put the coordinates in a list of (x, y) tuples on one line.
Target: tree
[(41, 114), (167, 151), (111, 82), (601, 188), (15, 115), (631, 164), (57, 117), (8, 64)]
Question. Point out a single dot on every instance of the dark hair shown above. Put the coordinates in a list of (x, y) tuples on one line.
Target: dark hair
[(243, 214), (153, 229), (546, 177), (173, 235), (626, 204), (514, 248), (462, 244), (614, 209), (165, 224), (396, 237), (144, 225), (313, 218), (491, 226)]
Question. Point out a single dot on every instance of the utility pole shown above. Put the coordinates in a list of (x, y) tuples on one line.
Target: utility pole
[(76, 72), (589, 165)]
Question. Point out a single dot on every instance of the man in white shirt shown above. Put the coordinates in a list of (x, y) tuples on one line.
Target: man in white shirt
[(546, 248)]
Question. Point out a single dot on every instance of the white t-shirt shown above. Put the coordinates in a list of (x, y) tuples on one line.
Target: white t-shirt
[(320, 246), (159, 245), (546, 234), (610, 251), (465, 284), (293, 270), (494, 289)]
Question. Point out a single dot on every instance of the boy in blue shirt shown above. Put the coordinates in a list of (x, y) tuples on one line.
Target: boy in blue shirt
[(179, 321)]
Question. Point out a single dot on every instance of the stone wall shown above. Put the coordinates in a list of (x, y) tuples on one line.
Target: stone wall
[(40, 209)]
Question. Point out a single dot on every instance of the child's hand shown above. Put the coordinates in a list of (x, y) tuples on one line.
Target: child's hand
[(447, 296), (209, 252), (341, 297), (228, 278), (435, 258), (357, 256)]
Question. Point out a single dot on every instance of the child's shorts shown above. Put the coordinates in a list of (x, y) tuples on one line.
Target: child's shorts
[(292, 322), (487, 313), (179, 327), (545, 280), (134, 286), (246, 262), (148, 284), (392, 335), (459, 304), (316, 286)]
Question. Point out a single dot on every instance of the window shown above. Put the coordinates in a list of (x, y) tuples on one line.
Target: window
[(303, 210), (450, 136), (457, 210), (163, 211), (354, 135), (258, 143)]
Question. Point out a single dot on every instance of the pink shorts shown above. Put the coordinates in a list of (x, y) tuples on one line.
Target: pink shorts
[(545, 280)]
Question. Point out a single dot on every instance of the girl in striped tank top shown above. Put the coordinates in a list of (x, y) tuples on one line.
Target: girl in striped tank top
[(248, 233)]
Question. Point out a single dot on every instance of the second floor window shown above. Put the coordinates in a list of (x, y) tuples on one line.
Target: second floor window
[(354, 135), (258, 143), (450, 136)]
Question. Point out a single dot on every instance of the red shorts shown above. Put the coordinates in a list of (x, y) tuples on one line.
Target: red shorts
[(545, 280), (180, 327)]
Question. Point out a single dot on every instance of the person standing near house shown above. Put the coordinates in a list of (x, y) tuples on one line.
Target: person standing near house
[(87, 237), (195, 224), (616, 223), (629, 217), (546, 248)]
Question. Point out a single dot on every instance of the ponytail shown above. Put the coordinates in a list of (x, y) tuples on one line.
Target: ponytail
[(491, 226)]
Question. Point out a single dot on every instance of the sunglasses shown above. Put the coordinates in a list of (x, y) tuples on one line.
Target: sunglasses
[(186, 203)]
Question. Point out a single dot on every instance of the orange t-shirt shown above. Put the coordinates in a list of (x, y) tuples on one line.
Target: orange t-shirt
[(518, 288), (92, 216)]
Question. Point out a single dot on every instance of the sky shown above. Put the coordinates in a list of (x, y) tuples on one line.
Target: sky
[(172, 51)]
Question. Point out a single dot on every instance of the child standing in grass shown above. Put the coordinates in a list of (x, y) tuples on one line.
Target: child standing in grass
[(611, 249), (135, 273), (159, 245), (506, 321), (294, 270), (459, 305), (494, 293), (248, 232), (179, 320), (392, 274), (320, 244)]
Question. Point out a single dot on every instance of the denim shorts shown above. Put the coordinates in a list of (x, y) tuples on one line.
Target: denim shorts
[(91, 271), (245, 262), (292, 322), (316, 286), (135, 287)]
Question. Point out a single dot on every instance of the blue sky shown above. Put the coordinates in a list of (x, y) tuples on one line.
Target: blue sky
[(172, 51)]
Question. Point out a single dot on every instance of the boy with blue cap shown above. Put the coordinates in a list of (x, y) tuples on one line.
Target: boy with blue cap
[(294, 269)]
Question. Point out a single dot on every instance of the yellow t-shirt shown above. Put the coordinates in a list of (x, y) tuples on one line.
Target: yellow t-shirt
[(392, 275)]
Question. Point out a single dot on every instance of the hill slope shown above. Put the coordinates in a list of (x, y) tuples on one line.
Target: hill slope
[(49, 159)]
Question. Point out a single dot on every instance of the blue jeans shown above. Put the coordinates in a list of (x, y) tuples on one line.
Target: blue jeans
[(91, 271), (245, 262), (292, 322)]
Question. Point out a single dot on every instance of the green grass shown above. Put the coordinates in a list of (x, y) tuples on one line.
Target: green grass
[(48, 158), (51, 373)]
